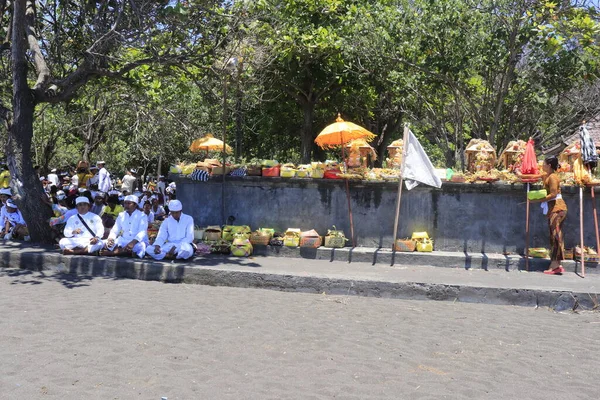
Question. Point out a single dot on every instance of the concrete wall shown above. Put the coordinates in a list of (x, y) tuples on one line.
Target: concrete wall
[(459, 217)]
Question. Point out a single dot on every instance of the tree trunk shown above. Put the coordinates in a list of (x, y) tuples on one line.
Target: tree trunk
[(26, 187), (308, 109)]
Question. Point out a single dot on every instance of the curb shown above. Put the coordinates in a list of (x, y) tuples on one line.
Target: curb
[(42, 260)]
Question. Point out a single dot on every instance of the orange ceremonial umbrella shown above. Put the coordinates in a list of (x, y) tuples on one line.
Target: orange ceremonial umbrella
[(341, 132), (208, 143), (338, 134)]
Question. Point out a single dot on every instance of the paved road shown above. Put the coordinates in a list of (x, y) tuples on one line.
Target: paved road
[(77, 338)]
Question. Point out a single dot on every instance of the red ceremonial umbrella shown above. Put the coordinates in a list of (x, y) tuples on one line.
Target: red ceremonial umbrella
[(529, 165), (529, 169)]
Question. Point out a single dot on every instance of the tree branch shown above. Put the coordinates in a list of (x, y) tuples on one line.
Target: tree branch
[(40, 63)]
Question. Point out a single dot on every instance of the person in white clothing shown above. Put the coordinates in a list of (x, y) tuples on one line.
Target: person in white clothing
[(103, 178), (129, 234), (175, 236), (128, 181), (79, 238), (5, 195), (53, 178), (14, 224)]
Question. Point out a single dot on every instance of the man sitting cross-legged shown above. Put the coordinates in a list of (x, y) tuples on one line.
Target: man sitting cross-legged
[(82, 231), (130, 233), (175, 235)]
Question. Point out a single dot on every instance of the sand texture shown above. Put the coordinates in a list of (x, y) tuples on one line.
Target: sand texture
[(74, 338)]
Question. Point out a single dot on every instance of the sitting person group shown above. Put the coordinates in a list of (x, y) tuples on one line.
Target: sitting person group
[(129, 235)]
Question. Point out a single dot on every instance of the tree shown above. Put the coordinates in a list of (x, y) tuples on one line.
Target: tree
[(73, 43)]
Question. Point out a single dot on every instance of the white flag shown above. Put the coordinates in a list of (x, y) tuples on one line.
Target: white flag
[(417, 168)]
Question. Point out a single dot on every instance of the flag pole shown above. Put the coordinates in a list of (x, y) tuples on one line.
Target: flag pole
[(400, 181), (581, 231), (527, 232)]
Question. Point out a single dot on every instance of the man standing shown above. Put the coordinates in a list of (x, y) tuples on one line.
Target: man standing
[(128, 181), (177, 232), (82, 231), (53, 178), (103, 178), (130, 233)]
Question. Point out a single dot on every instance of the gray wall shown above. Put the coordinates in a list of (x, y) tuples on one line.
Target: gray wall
[(459, 217)]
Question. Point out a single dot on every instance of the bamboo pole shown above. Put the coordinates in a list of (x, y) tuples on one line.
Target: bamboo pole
[(581, 231), (348, 194), (400, 181), (595, 218), (527, 232)]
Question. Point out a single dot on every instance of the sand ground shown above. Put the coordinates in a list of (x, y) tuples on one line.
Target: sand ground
[(65, 337)]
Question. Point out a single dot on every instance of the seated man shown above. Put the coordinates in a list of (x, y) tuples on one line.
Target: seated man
[(82, 231), (177, 231), (130, 233), (14, 224)]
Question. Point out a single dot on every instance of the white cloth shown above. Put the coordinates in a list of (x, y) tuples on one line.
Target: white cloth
[(178, 234), (75, 181), (103, 180), (150, 217), (53, 178), (544, 205), (416, 167), (127, 183), (139, 249), (82, 239), (159, 211), (129, 227), (183, 251), (161, 187), (94, 180), (14, 218)]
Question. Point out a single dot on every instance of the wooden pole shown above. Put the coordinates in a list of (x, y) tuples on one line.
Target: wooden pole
[(595, 218), (348, 195), (581, 231), (400, 181), (527, 232)]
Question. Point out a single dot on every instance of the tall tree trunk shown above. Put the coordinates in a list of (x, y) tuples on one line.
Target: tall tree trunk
[(27, 189), (308, 109)]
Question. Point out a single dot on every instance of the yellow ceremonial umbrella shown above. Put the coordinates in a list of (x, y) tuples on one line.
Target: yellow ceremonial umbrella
[(341, 132), (338, 134), (208, 143)]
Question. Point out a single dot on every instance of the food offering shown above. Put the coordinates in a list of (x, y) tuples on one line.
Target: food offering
[(395, 150), (480, 155), (360, 154), (512, 156)]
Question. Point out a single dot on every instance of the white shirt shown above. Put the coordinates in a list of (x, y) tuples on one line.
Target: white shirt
[(103, 180), (127, 183), (91, 219), (150, 216), (53, 178), (134, 226), (176, 231), (93, 180), (161, 187), (14, 218)]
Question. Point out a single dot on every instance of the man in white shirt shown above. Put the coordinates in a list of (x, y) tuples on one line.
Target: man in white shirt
[(93, 181), (161, 186), (103, 178), (175, 236), (129, 234), (128, 181), (79, 238), (53, 178)]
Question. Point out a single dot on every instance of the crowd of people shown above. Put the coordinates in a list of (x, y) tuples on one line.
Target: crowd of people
[(97, 215)]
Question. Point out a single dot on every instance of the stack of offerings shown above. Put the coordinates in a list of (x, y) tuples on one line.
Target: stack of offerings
[(538, 252), (317, 170), (589, 254), (288, 171), (270, 168), (405, 245), (303, 171), (229, 232), (423, 242), (291, 238), (335, 238), (241, 246), (310, 239), (212, 233), (262, 236)]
